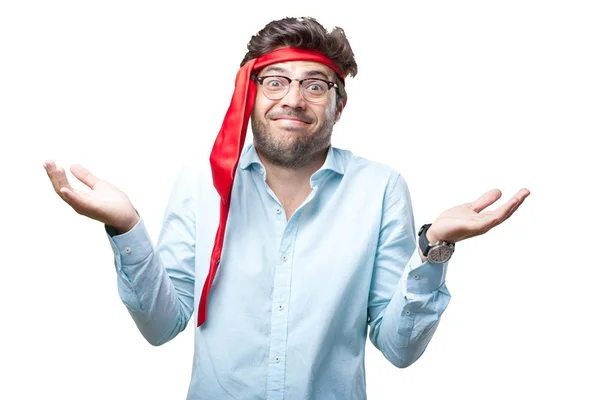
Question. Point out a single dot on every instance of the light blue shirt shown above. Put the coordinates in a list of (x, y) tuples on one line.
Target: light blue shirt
[(292, 299)]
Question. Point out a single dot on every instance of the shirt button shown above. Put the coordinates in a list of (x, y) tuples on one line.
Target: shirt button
[(127, 250), (278, 211), (277, 359), (284, 258), (280, 308), (407, 312), (262, 171), (417, 277)]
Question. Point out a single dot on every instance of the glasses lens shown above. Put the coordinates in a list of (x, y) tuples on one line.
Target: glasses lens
[(275, 87), (314, 89)]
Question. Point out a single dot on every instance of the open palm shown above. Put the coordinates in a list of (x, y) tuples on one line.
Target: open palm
[(104, 203), (469, 219)]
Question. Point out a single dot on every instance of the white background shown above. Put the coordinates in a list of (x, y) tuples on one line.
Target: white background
[(459, 96)]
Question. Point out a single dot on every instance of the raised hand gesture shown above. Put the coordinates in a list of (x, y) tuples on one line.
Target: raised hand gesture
[(104, 203), (470, 219)]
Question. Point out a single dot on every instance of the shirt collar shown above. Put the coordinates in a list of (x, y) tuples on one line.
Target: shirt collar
[(333, 163), (249, 157)]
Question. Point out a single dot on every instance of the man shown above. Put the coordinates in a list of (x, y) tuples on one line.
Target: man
[(313, 244)]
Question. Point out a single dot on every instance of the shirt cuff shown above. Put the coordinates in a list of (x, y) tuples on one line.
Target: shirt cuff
[(423, 277), (131, 247)]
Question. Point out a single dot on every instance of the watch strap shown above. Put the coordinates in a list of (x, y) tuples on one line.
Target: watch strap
[(423, 242)]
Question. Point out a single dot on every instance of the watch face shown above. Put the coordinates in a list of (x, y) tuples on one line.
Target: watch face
[(440, 254)]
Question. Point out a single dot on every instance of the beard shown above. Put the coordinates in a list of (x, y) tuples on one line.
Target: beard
[(286, 153)]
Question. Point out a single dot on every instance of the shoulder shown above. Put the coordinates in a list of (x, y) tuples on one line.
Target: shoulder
[(361, 168)]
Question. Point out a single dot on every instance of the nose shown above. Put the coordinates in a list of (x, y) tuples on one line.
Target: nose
[(294, 98)]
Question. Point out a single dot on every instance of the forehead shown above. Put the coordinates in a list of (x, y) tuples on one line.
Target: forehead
[(299, 69)]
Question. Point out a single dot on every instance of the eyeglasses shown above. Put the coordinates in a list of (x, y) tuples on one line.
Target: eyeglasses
[(275, 87)]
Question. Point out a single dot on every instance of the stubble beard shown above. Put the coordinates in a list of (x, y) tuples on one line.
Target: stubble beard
[(303, 151)]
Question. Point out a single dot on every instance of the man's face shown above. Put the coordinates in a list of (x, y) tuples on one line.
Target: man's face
[(292, 132)]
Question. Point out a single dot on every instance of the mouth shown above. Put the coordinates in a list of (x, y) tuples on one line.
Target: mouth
[(291, 121)]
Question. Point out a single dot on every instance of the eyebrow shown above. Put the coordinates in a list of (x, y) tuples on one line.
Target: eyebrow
[(310, 74), (317, 73)]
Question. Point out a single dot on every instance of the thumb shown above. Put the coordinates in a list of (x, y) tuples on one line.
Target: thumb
[(84, 175)]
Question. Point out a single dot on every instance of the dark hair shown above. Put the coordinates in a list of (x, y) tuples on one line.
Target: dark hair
[(305, 33)]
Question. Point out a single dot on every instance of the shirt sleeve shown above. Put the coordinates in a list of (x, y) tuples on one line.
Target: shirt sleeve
[(156, 284), (407, 297)]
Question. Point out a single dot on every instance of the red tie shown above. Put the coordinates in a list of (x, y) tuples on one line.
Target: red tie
[(226, 151)]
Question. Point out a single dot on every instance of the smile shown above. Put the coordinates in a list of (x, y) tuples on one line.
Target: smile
[(292, 121)]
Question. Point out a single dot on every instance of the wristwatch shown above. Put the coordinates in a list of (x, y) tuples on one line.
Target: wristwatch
[(436, 253)]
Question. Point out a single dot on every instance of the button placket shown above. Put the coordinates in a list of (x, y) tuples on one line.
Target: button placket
[(280, 301)]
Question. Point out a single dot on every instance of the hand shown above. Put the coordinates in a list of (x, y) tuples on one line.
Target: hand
[(105, 203), (469, 219)]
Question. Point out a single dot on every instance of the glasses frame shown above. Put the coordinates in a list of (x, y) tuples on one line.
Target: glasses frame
[(260, 79)]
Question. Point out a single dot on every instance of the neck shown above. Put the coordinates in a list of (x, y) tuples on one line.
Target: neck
[(291, 185)]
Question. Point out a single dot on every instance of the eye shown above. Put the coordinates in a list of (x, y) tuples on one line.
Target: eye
[(315, 86), (274, 82)]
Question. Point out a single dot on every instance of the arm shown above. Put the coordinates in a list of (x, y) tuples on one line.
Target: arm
[(407, 297), (157, 284), (404, 316)]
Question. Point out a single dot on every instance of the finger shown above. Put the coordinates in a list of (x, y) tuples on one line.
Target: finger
[(498, 216), (517, 200), (70, 196), (84, 175), (522, 194), (486, 200), (57, 176), (78, 202), (511, 211)]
